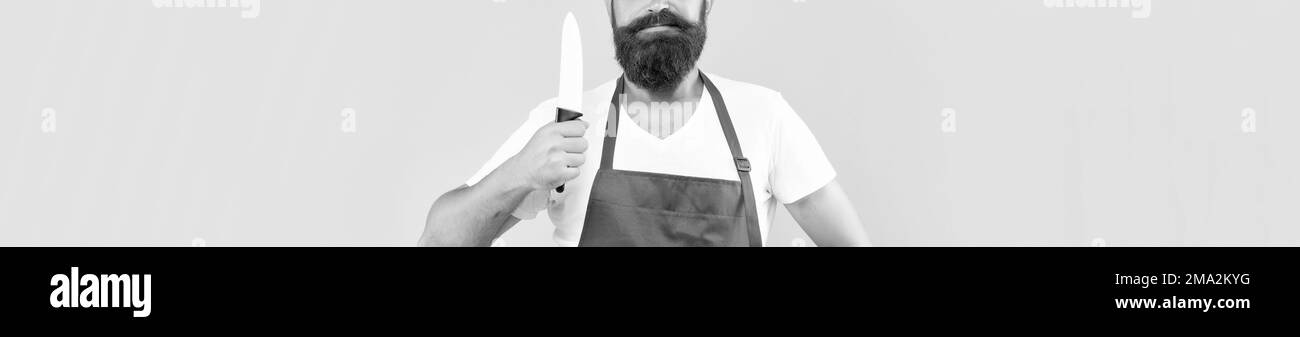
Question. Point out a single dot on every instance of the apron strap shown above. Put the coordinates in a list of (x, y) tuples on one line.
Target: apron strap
[(742, 164), (611, 128)]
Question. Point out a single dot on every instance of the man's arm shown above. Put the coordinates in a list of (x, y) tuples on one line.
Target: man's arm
[(829, 218), (472, 216), (476, 215)]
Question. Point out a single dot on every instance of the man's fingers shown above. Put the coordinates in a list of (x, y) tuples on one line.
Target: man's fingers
[(572, 160), (576, 128), (570, 173), (573, 145)]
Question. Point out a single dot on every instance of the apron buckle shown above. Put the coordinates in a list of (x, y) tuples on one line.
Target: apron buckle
[(742, 164)]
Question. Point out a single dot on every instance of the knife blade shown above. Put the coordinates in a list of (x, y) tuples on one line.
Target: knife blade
[(570, 99)]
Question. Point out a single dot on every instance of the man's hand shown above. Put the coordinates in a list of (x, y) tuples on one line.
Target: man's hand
[(476, 215), (552, 157)]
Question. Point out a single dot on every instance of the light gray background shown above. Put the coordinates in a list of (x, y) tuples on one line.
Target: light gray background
[(1075, 127)]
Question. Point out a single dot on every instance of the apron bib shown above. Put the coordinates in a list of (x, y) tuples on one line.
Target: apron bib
[(629, 209)]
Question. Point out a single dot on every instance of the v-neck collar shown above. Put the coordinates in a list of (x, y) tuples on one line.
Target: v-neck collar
[(704, 106)]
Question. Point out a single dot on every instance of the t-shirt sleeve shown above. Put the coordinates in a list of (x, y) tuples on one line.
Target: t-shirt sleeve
[(799, 167), (537, 118)]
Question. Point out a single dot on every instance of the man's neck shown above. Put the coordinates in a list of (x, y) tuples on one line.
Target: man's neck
[(688, 91)]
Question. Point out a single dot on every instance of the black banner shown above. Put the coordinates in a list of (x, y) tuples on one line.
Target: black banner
[(290, 286)]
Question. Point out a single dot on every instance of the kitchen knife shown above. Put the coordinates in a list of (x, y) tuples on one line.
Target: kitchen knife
[(570, 100)]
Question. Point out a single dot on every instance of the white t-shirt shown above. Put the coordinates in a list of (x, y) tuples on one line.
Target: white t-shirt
[(788, 163)]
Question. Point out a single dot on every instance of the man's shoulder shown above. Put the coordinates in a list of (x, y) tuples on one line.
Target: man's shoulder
[(600, 94), (729, 86), (750, 101)]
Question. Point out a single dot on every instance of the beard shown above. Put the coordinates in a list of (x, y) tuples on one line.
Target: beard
[(659, 61)]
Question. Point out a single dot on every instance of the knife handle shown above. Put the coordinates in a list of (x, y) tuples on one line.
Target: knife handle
[(564, 115)]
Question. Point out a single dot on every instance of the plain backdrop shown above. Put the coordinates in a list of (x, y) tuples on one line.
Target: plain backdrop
[(1074, 126)]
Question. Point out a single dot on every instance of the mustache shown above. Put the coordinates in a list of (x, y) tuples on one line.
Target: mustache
[(660, 18)]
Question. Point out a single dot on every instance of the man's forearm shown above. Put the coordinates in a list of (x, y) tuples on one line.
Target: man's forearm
[(829, 218), (474, 215)]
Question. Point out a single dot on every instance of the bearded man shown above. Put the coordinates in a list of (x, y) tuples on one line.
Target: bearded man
[(704, 160)]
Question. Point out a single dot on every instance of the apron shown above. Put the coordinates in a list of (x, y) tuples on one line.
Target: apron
[(650, 209)]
